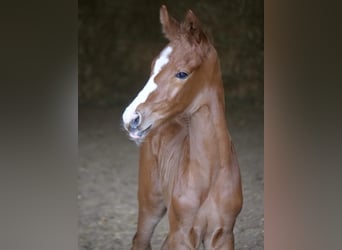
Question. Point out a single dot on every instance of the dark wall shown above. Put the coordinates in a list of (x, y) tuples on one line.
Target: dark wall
[(118, 40)]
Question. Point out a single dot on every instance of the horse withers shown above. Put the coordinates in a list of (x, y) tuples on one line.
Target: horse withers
[(188, 165)]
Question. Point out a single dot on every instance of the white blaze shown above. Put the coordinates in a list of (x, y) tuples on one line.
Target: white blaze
[(150, 86)]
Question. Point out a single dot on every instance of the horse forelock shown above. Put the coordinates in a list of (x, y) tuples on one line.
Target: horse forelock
[(188, 55)]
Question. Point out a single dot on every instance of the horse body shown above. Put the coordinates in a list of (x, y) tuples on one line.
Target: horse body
[(188, 165)]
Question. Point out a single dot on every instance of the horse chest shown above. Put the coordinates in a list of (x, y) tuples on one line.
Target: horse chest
[(179, 167), (173, 153)]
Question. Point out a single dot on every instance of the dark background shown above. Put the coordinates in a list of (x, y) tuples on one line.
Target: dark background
[(118, 40), (302, 101)]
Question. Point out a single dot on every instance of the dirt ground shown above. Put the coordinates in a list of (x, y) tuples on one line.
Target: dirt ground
[(108, 181)]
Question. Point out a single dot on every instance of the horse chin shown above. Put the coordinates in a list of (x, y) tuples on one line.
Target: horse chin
[(139, 135)]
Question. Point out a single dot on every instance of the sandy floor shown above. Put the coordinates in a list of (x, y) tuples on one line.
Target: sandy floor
[(108, 181)]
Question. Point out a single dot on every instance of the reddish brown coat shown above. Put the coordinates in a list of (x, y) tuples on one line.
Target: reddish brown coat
[(188, 165)]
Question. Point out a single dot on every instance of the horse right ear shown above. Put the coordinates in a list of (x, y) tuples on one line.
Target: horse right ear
[(169, 24)]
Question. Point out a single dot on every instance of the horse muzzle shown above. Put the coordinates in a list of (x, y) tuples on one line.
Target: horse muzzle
[(137, 131)]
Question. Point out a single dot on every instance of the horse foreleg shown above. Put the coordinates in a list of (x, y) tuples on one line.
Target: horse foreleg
[(149, 216), (151, 203)]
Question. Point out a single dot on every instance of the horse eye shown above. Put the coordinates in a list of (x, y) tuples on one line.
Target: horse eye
[(181, 75)]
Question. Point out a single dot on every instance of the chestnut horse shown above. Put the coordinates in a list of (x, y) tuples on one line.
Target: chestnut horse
[(188, 166)]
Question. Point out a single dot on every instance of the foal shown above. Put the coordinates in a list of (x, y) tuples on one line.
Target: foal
[(188, 166)]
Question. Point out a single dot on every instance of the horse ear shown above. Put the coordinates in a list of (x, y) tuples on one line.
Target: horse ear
[(169, 24), (192, 26)]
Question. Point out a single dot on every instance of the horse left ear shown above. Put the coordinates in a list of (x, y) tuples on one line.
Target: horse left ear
[(169, 24), (193, 26)]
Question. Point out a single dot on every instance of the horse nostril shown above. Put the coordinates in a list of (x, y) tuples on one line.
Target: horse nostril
[(136, 121)]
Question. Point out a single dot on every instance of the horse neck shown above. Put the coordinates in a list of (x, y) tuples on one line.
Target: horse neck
[(209, 108)]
